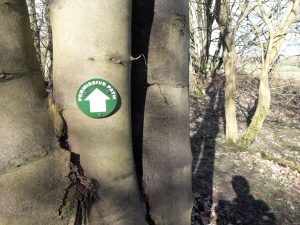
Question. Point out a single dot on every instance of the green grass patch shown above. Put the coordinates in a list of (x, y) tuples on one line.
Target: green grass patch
[(202, 95), (280, 161), (289, 145)]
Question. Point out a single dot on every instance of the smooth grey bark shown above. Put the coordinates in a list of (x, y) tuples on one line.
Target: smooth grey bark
[(32, 173), (166, 154), (91, 39), (26, 127)]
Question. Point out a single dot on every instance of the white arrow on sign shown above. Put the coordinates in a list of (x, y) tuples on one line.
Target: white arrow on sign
[(97, 101)]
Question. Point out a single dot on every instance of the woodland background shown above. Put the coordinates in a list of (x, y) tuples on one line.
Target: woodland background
[(244, 90)]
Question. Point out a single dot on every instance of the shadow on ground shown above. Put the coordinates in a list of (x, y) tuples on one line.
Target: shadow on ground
[(244, 209), (203, 150)]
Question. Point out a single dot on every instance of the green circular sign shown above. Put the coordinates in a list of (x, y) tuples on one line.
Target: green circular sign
[(97, 98)]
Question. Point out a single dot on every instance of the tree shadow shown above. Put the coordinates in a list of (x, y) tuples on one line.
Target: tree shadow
[(244, 209), (142, 18), (203, 149), (143, 13), (251, 112)]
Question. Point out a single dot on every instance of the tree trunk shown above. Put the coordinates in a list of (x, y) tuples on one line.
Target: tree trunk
[(230, 88), (275, 40), (32, 174), (165, 143), (263, 106), (229, 58), (264, 97), (91, 39)]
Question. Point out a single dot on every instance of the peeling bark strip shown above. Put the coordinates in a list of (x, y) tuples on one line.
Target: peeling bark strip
[(105, 145)]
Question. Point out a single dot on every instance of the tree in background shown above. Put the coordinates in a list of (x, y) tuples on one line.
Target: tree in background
[(275, 32), (41, 27), (267, 24), (228, 28), (36, 28), (204, 40)]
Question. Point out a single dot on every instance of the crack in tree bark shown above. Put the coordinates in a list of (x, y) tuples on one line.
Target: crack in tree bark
[(82, 190)]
